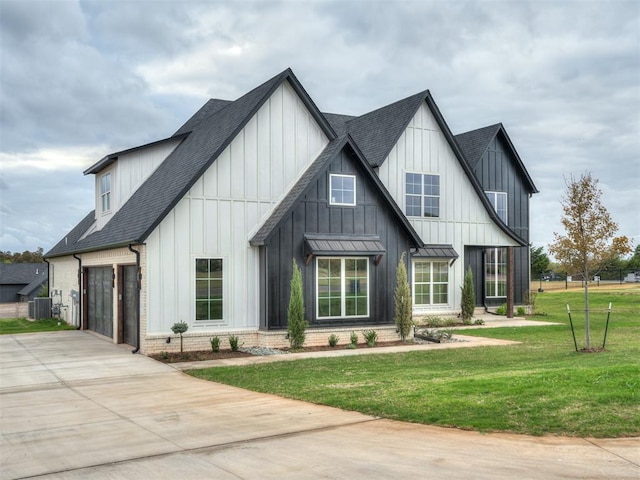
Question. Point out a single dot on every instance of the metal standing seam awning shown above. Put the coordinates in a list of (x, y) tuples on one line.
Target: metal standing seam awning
[(366, 245), (441, 252)]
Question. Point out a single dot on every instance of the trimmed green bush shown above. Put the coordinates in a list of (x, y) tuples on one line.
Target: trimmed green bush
[(402, 298), (215, 344), (296, 324), (371, 337), (180, 328), (468, 301), (333, 340)]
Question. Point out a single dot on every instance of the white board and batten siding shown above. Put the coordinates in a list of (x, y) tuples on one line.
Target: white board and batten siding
[(223, 209), (463, 220), (128, 173)]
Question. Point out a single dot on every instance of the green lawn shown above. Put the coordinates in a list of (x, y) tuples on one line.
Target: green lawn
[(22, 325), (541, 386)]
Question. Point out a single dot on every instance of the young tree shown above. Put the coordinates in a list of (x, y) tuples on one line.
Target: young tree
[(296, 324), (468, 302), (402, 298), (539, 262), (589, 242)]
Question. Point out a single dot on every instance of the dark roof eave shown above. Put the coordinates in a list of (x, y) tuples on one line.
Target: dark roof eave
[(112, 157), (95, 248)]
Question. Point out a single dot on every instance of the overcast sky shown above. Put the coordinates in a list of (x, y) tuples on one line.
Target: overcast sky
[(81, 79)]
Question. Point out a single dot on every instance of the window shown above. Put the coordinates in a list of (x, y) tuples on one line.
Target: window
[(105, 192), (342, 287), (422, 195), (430, 283), (209, 289), (342, 189), (495, 272), (499, 202)]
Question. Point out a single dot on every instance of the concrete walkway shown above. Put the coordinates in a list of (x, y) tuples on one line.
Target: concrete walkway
[(76, 407)]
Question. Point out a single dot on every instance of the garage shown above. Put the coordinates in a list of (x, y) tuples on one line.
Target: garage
[(99, 300)]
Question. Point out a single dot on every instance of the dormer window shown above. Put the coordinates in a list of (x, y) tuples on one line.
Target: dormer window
[(105, 192), (499, 202), (342, 190)]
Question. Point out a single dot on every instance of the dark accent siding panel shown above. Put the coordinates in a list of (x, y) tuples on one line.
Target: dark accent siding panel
[(474, 256), (313, 214), (522, 275)]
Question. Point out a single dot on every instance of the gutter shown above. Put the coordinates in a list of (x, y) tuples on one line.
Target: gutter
[(49, 279), (79, 290), (139, 286)]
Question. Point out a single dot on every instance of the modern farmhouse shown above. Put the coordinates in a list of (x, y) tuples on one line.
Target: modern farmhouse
[(203, 226)]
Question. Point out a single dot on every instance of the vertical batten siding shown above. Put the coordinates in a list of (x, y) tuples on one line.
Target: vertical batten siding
[(128, 173), (463, 220), (229, 202)]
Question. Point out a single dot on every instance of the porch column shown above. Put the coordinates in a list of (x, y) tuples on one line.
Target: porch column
[(510, 282)]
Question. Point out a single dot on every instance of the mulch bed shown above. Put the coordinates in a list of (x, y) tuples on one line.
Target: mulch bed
[(176, 357)]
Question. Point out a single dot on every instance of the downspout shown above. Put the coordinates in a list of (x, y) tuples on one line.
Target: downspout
[(139, 286), (79, 291), (49, 279)]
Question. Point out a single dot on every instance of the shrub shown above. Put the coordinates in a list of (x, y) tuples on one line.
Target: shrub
[(530, 298), (164, 355), (215, 344), (479, 321), (402, 299), (468, 302), (333, 340), (502, 309), (353, 338), (371, 337), (296, 324), (180, 328), (520, 312), (233, 343)]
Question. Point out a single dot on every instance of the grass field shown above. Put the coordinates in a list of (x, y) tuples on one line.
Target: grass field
[(541, 386), (22, 325)]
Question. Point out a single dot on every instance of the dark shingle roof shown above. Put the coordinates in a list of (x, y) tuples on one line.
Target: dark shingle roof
[(214, 105), (331, 150), (378, 131), (212, 133), (474, 143), (22, 273)]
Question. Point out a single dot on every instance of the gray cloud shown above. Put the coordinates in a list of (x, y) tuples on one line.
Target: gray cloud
[(563, 77)]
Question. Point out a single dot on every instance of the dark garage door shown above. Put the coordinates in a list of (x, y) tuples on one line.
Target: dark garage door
[(100, 300)]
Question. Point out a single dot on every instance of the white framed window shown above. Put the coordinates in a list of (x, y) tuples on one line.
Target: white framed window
[(342, 189), (499, 202), (422, 195), (430, 282), (495, 272), (342, 287), (209, 289), (105, 192)]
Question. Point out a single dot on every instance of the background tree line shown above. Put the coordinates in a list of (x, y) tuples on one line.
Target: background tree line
[(24, 257)]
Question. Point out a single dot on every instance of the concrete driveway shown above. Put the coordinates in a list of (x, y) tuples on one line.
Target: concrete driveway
[(76, 407)]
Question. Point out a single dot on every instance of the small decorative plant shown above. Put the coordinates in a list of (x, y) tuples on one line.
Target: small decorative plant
[(478, 321), (353, 339), (234, 343), (520, 312), (215, 344), (333, 340), (502, 309), (371, 337), (180, 328)]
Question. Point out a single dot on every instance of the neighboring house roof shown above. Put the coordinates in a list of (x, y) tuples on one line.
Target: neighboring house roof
[(21, 273), (36, 284), (212, 132), (330, 152), (474, 143)]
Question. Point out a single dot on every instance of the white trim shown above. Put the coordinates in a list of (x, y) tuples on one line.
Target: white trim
[(106, 194), (331, 199), (422, 195), (343, 289), (204, 324), (430, 282), (496, 282), (493, 199)]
